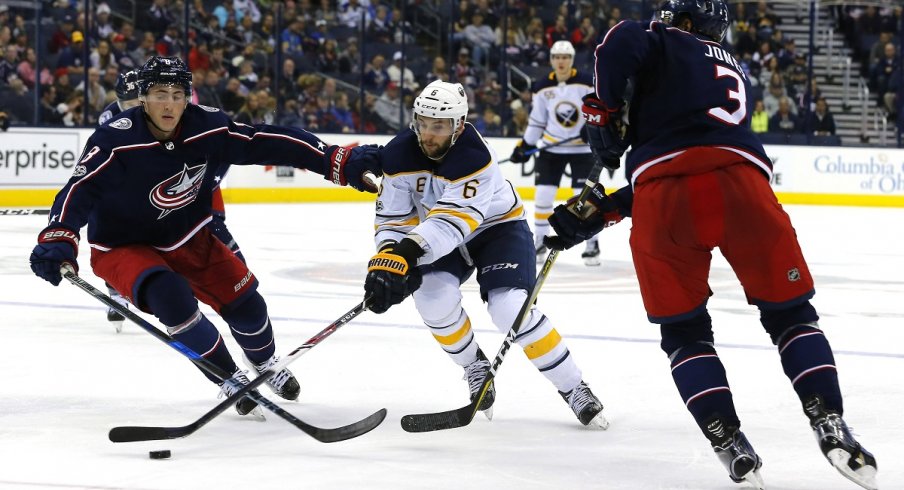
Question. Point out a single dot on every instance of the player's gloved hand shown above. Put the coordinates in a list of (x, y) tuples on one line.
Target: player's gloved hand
[(355, 167), (57, 245), (583, 134), (520, 153), (392, 274), (606, 132), (600, 211)]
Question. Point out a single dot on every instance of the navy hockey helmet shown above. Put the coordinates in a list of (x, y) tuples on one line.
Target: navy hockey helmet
[(127, 85), (160, 70), (710, 17)]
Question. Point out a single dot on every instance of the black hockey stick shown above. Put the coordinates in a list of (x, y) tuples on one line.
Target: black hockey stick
[(132, 434), (451, 419), (536, 150), (24, 212)]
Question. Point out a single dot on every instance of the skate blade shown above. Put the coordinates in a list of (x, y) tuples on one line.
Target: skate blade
[(592, 261), (755, 479), (256, 414), (865, 476), (488, 413), (598, 423), (117, 326)]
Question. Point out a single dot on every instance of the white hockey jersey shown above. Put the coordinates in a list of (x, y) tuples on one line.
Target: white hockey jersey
[(447, 202), (555, 113)]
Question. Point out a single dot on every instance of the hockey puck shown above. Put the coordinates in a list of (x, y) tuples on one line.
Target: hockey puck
[(165, 454)]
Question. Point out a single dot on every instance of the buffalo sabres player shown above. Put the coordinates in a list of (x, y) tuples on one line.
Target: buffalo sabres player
[(444, 211), (555, 116), (143, 186), (699, 180)]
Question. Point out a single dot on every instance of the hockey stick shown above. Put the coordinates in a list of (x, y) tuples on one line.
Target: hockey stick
[(535, 150), (451, 419), (131, 434), (24, 212)]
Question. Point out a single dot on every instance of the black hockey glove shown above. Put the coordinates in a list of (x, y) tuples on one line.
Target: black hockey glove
[(355, 167), (606, 132), (392, 274), (522, 152), (57, 245), (600, 211)]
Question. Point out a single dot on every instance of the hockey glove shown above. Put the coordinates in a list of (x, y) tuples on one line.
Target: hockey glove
[(392, 275), (606, 132), (520, 153), (57, 245), (600, 211), (353, 166)]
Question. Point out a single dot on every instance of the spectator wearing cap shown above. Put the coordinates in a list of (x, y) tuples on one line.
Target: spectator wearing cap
[(62, 37), (465, 74), (102, 26), (395, 74), (391, 109), (71, 56), (120, 52), (375, 75), (321, 32)]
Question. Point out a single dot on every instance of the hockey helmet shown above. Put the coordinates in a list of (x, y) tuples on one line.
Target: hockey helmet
[(127, 85), (709, 17), (160, 70), (561, 47), (442, 100)]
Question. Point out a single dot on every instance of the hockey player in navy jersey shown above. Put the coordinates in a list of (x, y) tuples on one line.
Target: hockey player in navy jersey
[(444, 211), (143, 186), (126, 98), (555, 116), (700, 180)]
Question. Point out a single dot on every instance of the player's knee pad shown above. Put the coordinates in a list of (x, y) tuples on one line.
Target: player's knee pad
[(503, 304), (677, 335), (247, 315), (438, 300), (778, 322), (171, 299)]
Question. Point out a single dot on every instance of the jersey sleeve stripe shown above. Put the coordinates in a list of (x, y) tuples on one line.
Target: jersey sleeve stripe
[(452, 224), (469, 220), (413, 221), (459, 206)]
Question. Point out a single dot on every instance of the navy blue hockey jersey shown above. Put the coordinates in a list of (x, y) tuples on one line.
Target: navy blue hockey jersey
[(687, 92), (112, 110), (128, 187)]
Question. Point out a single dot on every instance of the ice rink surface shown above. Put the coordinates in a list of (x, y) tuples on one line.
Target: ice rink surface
[(67, 377)]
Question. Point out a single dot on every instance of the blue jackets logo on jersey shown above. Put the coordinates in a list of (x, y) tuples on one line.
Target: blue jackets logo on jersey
[(178, 191)]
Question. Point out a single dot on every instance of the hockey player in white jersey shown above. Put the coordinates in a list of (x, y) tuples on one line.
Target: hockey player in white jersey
[(443, 212), (555, 117)]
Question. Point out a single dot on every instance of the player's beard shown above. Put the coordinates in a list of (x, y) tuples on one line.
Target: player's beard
[(438, 152)]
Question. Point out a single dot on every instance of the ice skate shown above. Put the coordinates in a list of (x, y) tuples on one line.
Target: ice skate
[(736, 454), (839, 446), (113, 316), (282, 383), (586, 406), (591, 254), (475, 373), (246, 405)]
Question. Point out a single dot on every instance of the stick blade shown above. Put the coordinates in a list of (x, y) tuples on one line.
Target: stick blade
[(138, 433), (428, 422), (350, 431)]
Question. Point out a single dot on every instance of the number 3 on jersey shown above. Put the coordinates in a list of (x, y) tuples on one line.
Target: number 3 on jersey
[(740, 95)]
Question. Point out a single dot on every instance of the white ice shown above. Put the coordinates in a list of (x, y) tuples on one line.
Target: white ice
[(66, 378)]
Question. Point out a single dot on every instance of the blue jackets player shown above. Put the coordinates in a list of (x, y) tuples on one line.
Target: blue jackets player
[(143, 186), (699, 179), (126, 96)]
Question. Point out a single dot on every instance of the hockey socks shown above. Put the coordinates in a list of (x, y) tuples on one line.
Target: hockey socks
[(703, 385), (250, 326), (808, 362), (203, 338)]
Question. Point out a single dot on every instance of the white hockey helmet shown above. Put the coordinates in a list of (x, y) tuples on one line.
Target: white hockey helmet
[(442, 100), (561, 47)]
